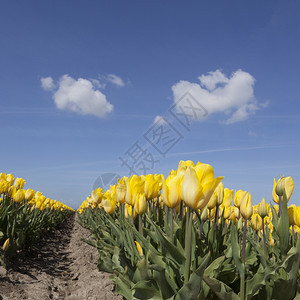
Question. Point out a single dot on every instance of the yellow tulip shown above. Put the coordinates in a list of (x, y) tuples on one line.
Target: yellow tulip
[(256, 221), (10, 178), (219, 193), (121, 191), (212, 202), (227, 212), (4, 186), (135, 185), (139, 248), (262, 208), (5, 245), (29, 194), (129, 211), (19, 183), (97, 195), (152, 186), (246, 207), (2, 176), (171, 190), (19, 196), (236, 212), (108, 203), (285, 182), (182, 166), (228, 196), (198, 185), (140, 204), (238, 197), (294, 215), (297, 216)]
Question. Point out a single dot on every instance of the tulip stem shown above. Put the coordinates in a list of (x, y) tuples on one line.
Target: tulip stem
[(172, 225), (188, 236), (140, 224), (242, 284), (280, 204), (216, 221), (264, 236), (167, 226), (181, 210), (244, 241)]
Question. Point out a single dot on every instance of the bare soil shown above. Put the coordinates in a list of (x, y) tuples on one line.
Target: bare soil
[(58, 266)]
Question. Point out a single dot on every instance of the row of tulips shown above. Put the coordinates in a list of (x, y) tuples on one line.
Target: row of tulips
[(188, 237), (24, 215)]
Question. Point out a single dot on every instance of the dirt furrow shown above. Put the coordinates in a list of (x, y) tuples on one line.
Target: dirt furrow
[(58, 266)]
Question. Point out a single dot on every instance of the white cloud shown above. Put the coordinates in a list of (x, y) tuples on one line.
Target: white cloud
[(232, 96), (252, 133), (81, 96), (159, 120), (212, 79), (97, 83), (115, 80), (47, 83)]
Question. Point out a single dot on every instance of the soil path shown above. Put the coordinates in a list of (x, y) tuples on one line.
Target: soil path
[(59, 266)]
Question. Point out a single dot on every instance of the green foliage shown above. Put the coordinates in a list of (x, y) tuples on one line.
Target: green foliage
[(216, 267), (23, 224)]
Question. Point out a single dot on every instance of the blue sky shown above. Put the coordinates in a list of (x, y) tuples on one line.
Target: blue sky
[(83, 81)]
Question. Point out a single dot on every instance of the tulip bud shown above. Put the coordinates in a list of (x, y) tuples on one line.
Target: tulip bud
[(236, 212), (139, 248), (283, 184), (121, 191), (228, 195), (227, 212), (212, 202), (140, 204), (256, 221), (220, 193), (262, 208), (246, 207), (5, 245), (171, 191), (238, 197), (280, 187)]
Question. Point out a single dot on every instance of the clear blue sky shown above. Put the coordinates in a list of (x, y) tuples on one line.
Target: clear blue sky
[(82, 81)]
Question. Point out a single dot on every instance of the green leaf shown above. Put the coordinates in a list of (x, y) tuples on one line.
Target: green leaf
[(166, 284), (236, 251), (123, 287), (146, 290), (219, 288), (283, 227), (192, 288), (216, 264), (171, 250)]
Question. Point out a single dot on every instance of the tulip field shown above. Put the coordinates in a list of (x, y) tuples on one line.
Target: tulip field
[(25, 215), (188, 237), (185, 236)]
